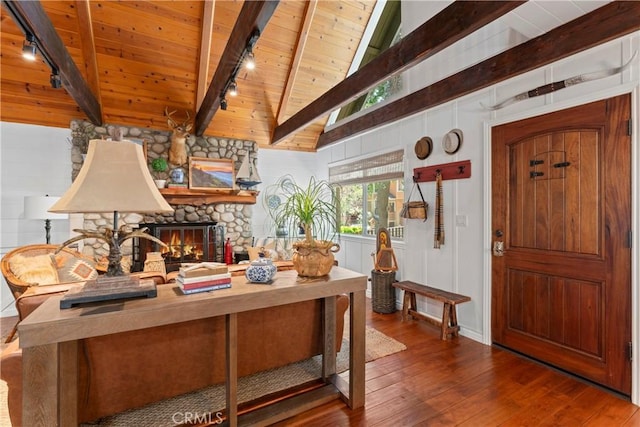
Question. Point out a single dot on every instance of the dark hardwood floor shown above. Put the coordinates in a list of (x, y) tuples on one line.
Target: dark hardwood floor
[(462, 382)]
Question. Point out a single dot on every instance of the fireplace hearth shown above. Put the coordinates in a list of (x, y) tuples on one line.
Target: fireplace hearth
[(188, 242)]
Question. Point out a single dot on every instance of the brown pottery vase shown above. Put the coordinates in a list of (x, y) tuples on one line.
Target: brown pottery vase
[(314, 259)]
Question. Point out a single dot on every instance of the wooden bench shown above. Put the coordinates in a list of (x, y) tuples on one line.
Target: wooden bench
[(449, 322)]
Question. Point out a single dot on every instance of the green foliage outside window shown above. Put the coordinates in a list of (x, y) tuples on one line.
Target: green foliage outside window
[(363, 208), (383, 91), (351, 229)]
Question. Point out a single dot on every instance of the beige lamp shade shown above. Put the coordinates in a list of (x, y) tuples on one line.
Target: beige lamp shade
[(37, 207), (114, 177)]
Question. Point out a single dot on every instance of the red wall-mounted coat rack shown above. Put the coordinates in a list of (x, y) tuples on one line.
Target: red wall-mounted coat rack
[(454, 170)]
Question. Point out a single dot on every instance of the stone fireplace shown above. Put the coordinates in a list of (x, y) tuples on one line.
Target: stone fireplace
[(232, 218)]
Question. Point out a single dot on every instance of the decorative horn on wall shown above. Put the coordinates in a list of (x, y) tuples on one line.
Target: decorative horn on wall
[(551, 87)]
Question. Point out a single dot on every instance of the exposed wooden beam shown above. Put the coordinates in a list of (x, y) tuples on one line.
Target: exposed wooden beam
[(297, 57), (254, 15), (456, 21), (31, 17), (89, 48), (205, 50), (607, 23)]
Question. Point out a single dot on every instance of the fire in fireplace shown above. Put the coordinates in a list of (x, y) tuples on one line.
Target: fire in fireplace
[(188, 242)]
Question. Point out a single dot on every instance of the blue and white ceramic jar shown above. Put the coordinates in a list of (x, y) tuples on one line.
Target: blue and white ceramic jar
[(177, 175), (261, 270)]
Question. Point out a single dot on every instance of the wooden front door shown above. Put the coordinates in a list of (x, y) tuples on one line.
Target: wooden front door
[(561, 208)]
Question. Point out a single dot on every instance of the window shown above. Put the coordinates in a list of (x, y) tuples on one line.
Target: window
[(370, 193), (386, 33)]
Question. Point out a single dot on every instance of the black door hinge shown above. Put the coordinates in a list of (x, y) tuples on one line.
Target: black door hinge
[(629, 127), (630, 348), (630, 239)]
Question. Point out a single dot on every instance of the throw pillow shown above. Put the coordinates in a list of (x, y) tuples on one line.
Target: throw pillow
[(73, 269), (36, 270), (285, 250)]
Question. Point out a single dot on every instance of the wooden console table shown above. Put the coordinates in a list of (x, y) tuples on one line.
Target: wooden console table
[(49, 341)]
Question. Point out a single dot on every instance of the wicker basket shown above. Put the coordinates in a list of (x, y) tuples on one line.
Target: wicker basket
[(417, 210), (383, 295)]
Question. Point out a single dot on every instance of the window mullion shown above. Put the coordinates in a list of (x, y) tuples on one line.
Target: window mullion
[(365, 219)]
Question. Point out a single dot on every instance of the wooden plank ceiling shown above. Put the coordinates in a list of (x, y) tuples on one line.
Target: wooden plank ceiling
[(136, 58), (147, 57)]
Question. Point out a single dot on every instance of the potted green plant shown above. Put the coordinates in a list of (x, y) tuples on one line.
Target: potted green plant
[(312, 209), (159, 166)]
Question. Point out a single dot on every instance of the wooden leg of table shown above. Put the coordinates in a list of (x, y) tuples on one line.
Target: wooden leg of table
[(357, 349), (329, 332), (69, 383), (406, 305), (40, 385), (414, 303), (12, 333), (446, 313), (231, 345), (454, 320)]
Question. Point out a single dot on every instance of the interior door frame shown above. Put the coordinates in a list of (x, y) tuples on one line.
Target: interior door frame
[(634, 90)]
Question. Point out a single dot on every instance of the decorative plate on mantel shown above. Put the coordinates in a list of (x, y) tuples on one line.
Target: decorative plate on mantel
[(273, 201)]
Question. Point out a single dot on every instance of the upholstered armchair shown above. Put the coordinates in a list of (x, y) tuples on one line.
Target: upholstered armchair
[(38, 266), (35, 265)]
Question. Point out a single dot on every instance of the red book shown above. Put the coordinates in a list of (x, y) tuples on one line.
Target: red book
[(205, 283), (189, 280)]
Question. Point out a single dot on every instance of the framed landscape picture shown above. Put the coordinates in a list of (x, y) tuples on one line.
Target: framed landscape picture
[(210, 174)]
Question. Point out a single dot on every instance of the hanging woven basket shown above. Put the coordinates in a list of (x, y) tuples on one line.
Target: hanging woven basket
[(414, 210)]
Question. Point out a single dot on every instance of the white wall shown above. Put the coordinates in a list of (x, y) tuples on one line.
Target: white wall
[(34, 160), (462, 264)]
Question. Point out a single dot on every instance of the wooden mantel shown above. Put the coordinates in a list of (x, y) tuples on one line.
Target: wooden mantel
[(180, 196)]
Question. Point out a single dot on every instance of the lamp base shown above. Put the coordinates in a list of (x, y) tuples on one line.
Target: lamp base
[(106, 288)]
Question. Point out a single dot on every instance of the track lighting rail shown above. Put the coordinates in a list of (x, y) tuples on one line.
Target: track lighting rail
[(33, 20)]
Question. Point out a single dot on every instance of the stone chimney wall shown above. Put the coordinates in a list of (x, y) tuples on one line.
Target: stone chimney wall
[(236, 218)]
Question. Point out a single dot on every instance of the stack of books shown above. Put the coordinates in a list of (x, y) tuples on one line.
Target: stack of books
[(176, 185), (203, 277)]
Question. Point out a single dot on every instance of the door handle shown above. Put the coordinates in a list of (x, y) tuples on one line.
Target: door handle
[(498, 248)]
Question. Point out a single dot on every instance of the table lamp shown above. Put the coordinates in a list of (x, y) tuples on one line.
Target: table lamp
[(37, 207), (114, 178)]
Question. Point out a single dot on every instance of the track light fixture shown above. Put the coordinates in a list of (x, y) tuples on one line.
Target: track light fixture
[(233, 89), (29, 47), (58, 60), (247, 58), (55, 80), (250, 61)]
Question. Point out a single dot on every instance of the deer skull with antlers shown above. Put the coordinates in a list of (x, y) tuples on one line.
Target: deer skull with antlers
[(180, 132)]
